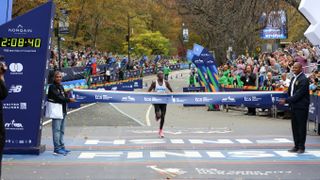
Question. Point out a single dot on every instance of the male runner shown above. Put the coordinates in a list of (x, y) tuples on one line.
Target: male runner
[(160, 86)]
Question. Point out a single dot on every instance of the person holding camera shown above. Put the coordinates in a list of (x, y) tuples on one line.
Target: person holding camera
[(57, 94), (3, 95)]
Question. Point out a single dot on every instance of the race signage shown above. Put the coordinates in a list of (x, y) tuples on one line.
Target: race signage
[(250, 98), (25, 44)]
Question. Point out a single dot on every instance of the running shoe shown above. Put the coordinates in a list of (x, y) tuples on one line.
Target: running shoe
[(161, 133)]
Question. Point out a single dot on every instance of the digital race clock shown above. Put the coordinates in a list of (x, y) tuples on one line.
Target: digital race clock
[(20, 42)]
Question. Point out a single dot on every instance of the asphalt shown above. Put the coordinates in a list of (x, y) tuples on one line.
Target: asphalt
[(120, 141)]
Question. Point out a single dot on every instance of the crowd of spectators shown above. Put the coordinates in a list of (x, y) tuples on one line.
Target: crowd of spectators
[(80, 58), (272, 71)]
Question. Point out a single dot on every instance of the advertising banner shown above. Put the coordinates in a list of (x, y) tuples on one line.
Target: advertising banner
[(250, 98), (313, 108), (25, 44)]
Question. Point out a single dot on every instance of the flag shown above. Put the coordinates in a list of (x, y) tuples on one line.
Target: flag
[(197, 49), (124, 62), (190, 55), (156, 59)]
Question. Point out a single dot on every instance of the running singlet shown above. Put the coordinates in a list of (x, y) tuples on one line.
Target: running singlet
[(160, 89)]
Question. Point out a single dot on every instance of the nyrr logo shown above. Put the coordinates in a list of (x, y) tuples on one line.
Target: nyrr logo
[(20, 30), (128, 99), (16, 69), (13, 125), (15, 89)]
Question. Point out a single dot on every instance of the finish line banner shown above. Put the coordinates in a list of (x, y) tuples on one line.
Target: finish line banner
[(249, 98)]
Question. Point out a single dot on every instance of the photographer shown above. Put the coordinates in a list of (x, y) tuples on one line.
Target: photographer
[(3, 95)]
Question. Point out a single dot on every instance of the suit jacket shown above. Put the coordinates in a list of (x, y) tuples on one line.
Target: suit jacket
[(301, 97), (249, 80)]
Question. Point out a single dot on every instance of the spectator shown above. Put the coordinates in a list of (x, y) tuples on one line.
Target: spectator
[(284, 81), (269, 83)]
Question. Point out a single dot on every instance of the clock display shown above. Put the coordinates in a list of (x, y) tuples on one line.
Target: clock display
[(20, 42)]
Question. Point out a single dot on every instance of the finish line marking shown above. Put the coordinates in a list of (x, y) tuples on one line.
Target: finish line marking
[(313, 155), (186, 141)]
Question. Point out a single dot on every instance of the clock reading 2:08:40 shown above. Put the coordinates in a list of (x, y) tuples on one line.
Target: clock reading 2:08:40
[(20, 42)]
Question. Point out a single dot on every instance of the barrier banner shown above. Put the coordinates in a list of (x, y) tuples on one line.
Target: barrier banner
[(138, 84), (25, 43), (123, 86), (249, 98), (313, 108)]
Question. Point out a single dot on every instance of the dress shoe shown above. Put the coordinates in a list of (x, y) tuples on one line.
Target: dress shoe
[(300, 151), (293, 150)]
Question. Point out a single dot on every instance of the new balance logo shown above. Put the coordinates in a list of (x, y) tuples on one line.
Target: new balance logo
[(15, 89)]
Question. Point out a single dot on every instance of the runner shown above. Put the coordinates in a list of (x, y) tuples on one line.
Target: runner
[(160, 86)]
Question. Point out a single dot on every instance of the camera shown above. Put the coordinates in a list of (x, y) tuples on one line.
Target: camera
[(3, 67)]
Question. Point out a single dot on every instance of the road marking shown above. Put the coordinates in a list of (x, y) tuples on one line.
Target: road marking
[(213, 171), (137, 121), (123, 155), (177, 132), (75, 110), (135, 155), (147, 116), (168, 171)]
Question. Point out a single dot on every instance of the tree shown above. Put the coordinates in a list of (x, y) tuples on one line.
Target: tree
[(150, 43)]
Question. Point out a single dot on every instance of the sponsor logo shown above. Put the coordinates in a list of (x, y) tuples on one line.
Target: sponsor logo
[(203, 99), (312, 108), (15, 89), (151, 99), (128, 99), (19, 30), (16, 69), (178, 100), (13, 125), (26, 141), (127, 86), (198, 61), (17, 106), (114, 88), (102, 97), (228, 99), (251, 99), (78, 97)]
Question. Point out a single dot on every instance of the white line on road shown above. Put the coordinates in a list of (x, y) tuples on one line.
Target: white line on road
[(75, 110), (147, 116), (137, 121)]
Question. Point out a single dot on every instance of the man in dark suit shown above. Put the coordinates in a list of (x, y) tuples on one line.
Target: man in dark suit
[(249, 79), (298, 100)]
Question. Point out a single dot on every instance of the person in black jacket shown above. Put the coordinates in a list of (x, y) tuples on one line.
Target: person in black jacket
[(249, 79), (299, 99), (57, 94), (3, 95)]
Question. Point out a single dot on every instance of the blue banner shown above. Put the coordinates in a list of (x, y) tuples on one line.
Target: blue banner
[(313, 108), (5, 11), (123, 86), (250, 98), (24, 42), (138, 84)]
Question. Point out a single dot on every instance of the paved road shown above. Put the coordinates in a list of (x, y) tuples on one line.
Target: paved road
[(120, 141)]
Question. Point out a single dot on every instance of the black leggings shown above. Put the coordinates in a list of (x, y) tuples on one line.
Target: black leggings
[(160, 108)]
